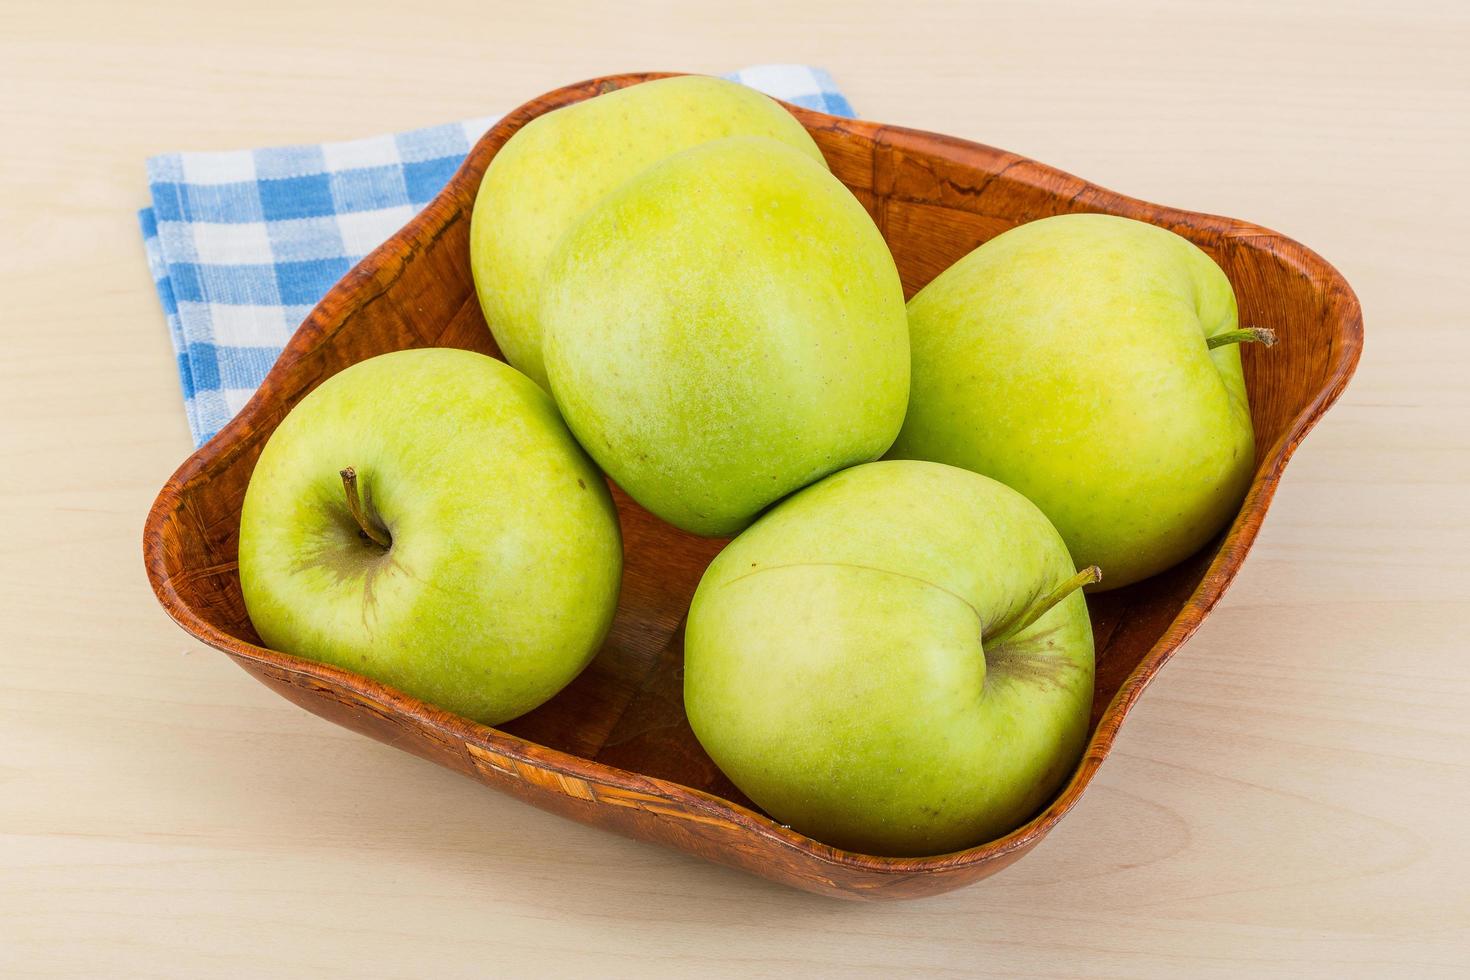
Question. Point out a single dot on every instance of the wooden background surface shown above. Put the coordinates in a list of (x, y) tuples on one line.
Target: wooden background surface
[(1292, 796)]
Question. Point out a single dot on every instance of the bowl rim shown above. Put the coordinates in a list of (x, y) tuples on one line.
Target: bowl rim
[(375, 273)]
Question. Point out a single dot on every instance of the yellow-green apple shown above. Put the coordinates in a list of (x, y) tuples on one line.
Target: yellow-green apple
[(425, 518), (724, 328), (1090, 362), (896, 660), (558, 165)]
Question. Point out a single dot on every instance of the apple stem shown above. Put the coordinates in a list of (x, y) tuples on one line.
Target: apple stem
[(1250, 335), (1088, 576), (368, 528)]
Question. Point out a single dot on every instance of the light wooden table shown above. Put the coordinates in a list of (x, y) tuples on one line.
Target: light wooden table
[(1292, 796)]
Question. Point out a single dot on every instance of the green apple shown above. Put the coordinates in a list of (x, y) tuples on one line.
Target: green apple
[(425, 518), (896, 660), (560, 164), (1090, 362), (724, 328)]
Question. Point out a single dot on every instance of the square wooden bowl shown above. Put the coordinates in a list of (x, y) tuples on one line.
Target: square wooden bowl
[(614, 749)]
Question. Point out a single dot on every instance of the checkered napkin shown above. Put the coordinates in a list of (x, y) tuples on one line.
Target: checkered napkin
[(243, 244)]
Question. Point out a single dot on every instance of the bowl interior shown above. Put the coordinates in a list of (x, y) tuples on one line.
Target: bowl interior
[(934, 199)]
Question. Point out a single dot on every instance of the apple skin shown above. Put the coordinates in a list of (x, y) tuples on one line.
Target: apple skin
[(1067, 358), (836, 667), (560, 164), (725, 328), (506, 557)]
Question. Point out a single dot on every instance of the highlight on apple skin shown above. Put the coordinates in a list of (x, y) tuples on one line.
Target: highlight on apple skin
[(896, 660), (425, 518)]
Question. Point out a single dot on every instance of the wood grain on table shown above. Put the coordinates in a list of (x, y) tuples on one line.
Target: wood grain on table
[(1290, 797)]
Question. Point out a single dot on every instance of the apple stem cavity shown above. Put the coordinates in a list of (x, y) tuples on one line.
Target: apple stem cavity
[(1090, 575), (367, 528), (1250, 335)]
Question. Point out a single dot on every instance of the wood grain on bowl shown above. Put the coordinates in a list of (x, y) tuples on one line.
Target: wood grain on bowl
[(614, 748)]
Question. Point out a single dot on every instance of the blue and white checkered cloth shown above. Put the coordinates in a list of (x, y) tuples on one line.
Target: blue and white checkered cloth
[(243, 244)]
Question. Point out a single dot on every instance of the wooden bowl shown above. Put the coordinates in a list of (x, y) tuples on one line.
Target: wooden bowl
[(614, 749)]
